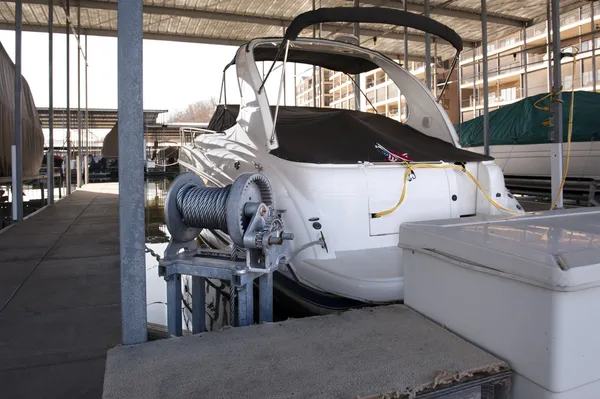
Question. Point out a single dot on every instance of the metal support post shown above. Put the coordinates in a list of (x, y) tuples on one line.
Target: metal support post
[(295, 86), (245, 306), (265, 295), (173, 306), (357, 76), (87, 121), (79, 137), (486, 115), (314, 68), (549, 43), (524, 62), (593, 28), (406, 55), (50, 155), (68, 116), (284, 75), (427, 51), (556, 152), (435, 68), (458, 83), (17, 153), (131, 172), (198, 304), (474, 85)]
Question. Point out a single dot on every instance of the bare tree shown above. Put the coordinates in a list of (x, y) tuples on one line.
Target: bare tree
[(200, 111)]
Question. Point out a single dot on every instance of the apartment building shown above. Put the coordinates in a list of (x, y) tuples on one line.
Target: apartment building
[(518, 67), (305, 95)]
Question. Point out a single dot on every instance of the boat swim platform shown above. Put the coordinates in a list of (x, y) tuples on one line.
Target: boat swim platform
[(383, 352), (60, 297)]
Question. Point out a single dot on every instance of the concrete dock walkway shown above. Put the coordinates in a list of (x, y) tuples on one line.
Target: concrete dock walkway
[(60, 297), (385, 352)]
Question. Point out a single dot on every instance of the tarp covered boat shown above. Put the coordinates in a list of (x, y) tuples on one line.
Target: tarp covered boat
[(33, 136), (520, 140)]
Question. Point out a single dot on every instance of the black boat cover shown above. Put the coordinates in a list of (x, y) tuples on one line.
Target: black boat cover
[(347, 63), (342, 62), (376, 15), (340, 136)]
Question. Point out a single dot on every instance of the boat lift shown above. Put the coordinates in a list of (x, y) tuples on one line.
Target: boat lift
[(245, 210)]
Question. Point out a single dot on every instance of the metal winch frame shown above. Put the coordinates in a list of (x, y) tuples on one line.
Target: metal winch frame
[(246, 212)]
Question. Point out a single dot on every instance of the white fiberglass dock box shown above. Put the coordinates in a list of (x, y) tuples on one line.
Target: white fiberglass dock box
[(525, 288)]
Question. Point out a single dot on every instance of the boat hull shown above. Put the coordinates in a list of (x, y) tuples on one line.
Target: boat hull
[(354, 259), (534, 159)]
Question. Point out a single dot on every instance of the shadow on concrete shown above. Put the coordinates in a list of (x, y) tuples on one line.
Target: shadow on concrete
[(60, 296)]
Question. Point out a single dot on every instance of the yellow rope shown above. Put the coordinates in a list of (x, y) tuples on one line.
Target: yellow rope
[(410, 168), (569, 135)]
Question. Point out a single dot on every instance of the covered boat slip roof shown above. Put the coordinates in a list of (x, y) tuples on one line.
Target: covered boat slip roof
[(107, 118), (234, 22), (97, 118)]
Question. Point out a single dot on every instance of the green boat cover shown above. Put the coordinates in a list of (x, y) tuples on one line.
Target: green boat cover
[(522, 123)]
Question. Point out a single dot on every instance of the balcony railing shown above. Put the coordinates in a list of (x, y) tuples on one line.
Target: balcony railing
[(536, 30)]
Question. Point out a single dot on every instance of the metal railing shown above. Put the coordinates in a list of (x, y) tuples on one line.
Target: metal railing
[(540, 29), (187, 135)]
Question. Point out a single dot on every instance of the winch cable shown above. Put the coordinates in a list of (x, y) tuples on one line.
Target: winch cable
[(409, 170), (204, 206)]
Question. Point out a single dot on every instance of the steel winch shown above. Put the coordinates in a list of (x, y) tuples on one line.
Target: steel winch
[(245, 211)]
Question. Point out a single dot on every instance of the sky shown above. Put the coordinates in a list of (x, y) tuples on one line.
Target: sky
[(175, 74)]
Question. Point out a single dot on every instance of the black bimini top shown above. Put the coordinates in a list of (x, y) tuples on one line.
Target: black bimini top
[(340, 61), (340, 136), (376, 15)]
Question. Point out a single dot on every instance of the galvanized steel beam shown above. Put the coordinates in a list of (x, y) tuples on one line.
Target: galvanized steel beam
[(131, 172), (448, 12), (68, 51), (524, 62), (427, 51), (232, 17), (17, 150), (556, 168), (356, 87), (593, 29), (173, 38), (79, 136), (87, 121), (484, 45), (50, 155), (191, 13)]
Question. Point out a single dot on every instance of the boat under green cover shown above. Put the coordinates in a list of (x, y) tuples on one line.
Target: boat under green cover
[(522, 123)]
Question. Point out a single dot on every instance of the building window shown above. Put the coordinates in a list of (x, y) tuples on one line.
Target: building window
[(371, 95), (380, 96), (568, 82), (588, 78), (508, 94), (370, 81)]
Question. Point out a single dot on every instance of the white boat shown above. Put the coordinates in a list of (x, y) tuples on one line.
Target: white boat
[(520, 141), (336, 172), (534, 159)]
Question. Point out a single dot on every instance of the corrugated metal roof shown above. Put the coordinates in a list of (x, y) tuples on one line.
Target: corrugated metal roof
[(237, 21), (97, 118)]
